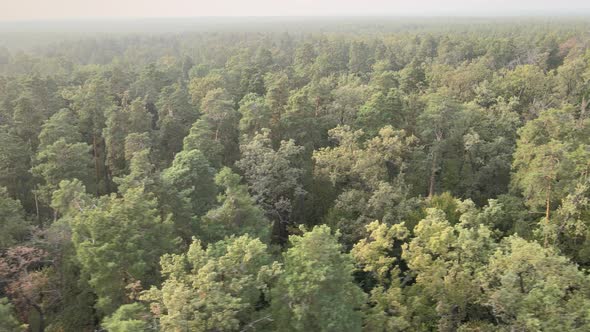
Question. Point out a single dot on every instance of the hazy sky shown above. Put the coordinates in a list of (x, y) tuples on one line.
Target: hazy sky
[(59, 9)]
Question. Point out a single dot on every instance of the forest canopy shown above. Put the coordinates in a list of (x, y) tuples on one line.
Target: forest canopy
[(297, 175)]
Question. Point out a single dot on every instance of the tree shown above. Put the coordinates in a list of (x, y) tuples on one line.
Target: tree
[(369, 178), (360, 58), (67, 300), (316, 291), (13, 225), (363, 165), (435, 124), (61, 155), (175, 115), (273, 179), (137, 142), (488, 147), (237, 213), (62, 161), (118, 242), (377, 255), (529, 287), (27, 121), (189, 191), (413, 77), (255, 115), (276, 98), (150, 82), (8, 322), (142, 173), (551, 154), (443, 260), (303, 119), (569, 230), (349, 97), (382, 109), (200, 86), (92, 102), (121, 122), (305, 55), (202, 137), (26, 284), (217, 109), (15, 161), (223, 288), (128, 318), (62, 124), (529, 84)]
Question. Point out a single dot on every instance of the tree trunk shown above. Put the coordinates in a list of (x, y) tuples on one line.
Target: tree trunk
[(431, 185), (37, 208), (41, 319), (95, 151), (547, 212), (548, 203)]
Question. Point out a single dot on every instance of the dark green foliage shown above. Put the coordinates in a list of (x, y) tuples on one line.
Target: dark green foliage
[(118, 242), (128, 318), (316, 291), (189, 190), (13, 225), (8, 321), (237, 214)]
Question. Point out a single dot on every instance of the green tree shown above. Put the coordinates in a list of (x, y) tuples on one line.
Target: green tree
[(529, 84), (363, 164), (444, 260), (529, 287), (202, 137), (413, 77), (217, 109), (8, 322), (303, 119), (118, 242), (349, 97), (316, 291), (142, 173), (91, 102), (360, 58), (200, 86), (255, 115), (150, 82), (62, 124), (380, 110), (222, 288), (273, 178), (15, 160), (550, 155), (237, 214), (275, 99), (128, 318), (175, 115), (488, 146), (369, 178), (435, 125), (120, 122), (377, 255), (27, 121), (13, 224), (62, 161), (189, 191)]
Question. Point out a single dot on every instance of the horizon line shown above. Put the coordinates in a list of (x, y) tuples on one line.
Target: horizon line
[(569, 13)]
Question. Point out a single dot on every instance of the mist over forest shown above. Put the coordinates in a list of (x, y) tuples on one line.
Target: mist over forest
[(295, 174)]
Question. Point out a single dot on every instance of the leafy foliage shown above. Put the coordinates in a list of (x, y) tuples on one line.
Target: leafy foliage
[(165, 181)]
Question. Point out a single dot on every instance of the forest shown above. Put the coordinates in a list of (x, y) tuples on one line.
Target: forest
[(336, 175)]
